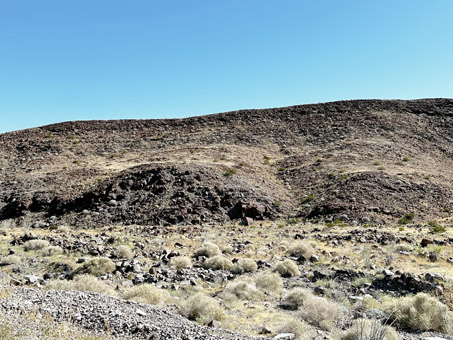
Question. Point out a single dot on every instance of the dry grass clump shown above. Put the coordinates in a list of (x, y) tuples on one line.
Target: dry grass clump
[(369, 329), (420, 313), (147, 293), (319, 311), (243, 289), (35, 244), (301, 249), (207, 249), (124, 252), (294, 326), (227, 249), (286, 268), (244, 266), (218, 262), (52, 250), (10, 259), (295, 297), (98, 266), (179, 262), (202, 309), (84, 282), (269, 282)]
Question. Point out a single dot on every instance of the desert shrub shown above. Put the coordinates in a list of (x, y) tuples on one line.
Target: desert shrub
[(202, 309), (35, 244), (301, 249), (227, 249), (369, 329), (286, 268), (123, 252), (52, 250), (295, 297), (269, 282), (242, 288), (179, 262), (420, 313), (84, 282), (320, 311), (147, 293), (406, 219), (207, 249), (10, 259), (294, 326), (244, 266), (98, 266), (404, 247), (218, 262)]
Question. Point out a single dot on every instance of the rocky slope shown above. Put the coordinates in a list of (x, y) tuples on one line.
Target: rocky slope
[(364, 161)]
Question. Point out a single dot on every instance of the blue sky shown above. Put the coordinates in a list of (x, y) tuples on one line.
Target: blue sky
[(111, 59)]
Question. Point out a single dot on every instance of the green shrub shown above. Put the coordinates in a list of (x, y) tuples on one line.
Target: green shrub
[(436, 227), (269, 282), (207, 249), (98, 266), (124, 252), (307, 199), (244, 266), (370, 330), (84, 282), (218, 262), (230, 172), (35, 244), (406, 219), (179, 262), (147, 293), (52, 250), (301, 248), (202, 309), (420, 313), (286, 268)]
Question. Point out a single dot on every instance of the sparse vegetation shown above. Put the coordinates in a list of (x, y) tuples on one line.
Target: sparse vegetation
[(97, 266), (420, 313), (269, 282), (230, 172), (301, 248), (218, 262), (244, 265), (147, 293), (35, 244), (10, 259), (369, 329), (406, 219), (84, 282), (208, 249), (202, 309), (52, 250), (179, 262), (286, 268), (123, 252)]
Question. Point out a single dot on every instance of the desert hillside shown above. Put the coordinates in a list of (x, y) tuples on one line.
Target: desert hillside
[(363, 161)]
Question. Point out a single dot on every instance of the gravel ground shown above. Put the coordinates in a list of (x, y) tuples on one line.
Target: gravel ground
[(108, 315)]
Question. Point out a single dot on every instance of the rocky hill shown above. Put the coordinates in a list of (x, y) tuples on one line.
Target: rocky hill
[(363, 161)]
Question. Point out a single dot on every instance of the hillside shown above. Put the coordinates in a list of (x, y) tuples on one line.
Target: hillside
[(363, 161)]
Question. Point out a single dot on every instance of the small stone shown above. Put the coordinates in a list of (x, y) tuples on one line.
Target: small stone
[(140, 312)]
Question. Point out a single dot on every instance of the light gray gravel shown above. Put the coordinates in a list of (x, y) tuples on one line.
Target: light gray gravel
[(120, 318)]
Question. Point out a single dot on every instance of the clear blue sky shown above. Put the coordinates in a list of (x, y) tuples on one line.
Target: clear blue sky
[(66, 60)]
